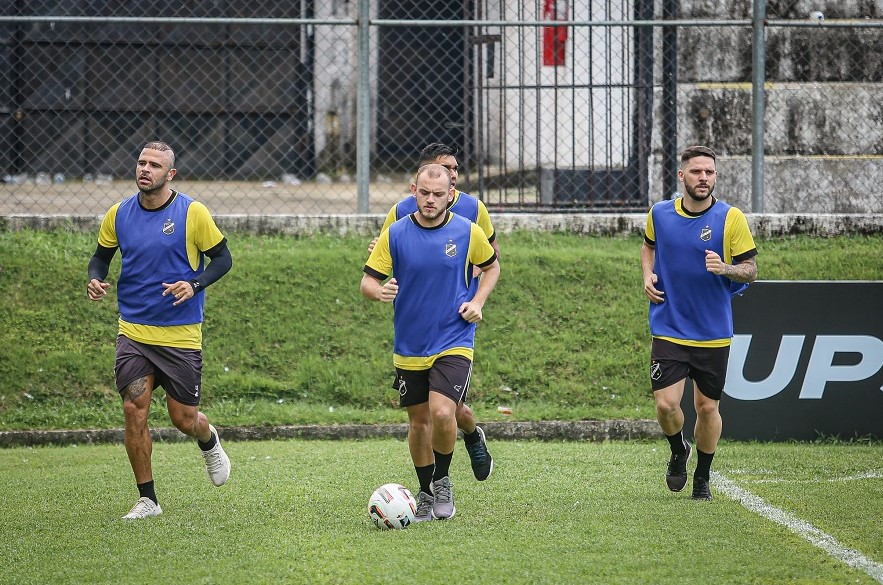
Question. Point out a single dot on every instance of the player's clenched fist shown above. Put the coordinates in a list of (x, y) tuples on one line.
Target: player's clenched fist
[(97, 289), (389, 290)]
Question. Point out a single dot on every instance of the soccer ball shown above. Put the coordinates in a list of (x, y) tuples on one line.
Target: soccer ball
[(392, 507)]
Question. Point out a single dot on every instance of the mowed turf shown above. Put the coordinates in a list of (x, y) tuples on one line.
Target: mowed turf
[(289, 339), (295, 512)]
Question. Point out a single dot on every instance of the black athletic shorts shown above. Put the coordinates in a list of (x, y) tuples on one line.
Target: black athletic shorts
[(672, 362), (449, 375), (177, 370)]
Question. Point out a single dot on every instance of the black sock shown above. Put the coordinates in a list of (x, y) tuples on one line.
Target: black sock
[(424, 476), (703, 464), (208, 445), (442, 464), (678, 446), (146, 490), (472, 438)]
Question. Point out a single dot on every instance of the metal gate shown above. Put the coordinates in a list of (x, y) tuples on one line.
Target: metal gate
[(560, 117)]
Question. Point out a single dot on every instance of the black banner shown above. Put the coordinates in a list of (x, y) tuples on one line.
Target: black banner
[(806, 362)]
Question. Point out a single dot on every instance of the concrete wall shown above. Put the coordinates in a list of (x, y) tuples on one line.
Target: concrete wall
[(824, 105), (812, 185), (589, 224)]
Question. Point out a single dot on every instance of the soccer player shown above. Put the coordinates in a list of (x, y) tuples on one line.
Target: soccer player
[(697, 252), (465, 205), (164, 237), (431, 253)]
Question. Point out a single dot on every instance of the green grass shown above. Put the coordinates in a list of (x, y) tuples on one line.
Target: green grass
[(294, 512), (288, 337)]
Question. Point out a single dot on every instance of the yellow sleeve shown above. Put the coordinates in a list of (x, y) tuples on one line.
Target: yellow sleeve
[(484, 221), (380, 260), (480, 249), (202, 232), (107, 233), (390, 218), (649, 232), (738, 238)]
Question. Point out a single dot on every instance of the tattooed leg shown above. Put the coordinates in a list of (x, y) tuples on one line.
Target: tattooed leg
[(139, 447)]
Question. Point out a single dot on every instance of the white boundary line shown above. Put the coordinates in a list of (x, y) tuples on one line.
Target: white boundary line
[(804, 529), (859, 477)]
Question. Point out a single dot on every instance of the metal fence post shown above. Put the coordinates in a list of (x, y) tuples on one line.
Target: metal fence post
[(758, 109), (17, 81), (669, 100), (363, 109)]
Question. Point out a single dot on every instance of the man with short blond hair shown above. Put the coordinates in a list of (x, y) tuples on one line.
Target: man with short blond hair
[(436, 306)]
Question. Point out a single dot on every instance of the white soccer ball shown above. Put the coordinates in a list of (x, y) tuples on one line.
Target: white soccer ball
[(392, 507), (816, 16)]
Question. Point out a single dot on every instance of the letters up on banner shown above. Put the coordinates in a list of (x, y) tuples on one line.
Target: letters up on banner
[(806, 361)]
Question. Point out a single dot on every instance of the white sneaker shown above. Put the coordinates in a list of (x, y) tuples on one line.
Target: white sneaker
[(216, 461), (143, 508)]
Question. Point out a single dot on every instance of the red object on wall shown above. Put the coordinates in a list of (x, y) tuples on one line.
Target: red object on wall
[(554, 37)]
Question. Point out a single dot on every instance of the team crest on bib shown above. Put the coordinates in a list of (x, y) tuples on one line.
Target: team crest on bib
[(168, 228), (450, 249), (705, 234)]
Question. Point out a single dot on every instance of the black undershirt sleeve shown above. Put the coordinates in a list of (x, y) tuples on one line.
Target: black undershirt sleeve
[(99, 264), (221, 263)]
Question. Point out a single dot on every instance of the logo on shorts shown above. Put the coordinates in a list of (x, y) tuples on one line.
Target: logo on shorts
[(450, 249), (196, 391), (168, 228), (655, 371), (705, 234), (403, 388)]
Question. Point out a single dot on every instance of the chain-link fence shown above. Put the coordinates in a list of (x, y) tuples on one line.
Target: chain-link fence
[(311, 107)]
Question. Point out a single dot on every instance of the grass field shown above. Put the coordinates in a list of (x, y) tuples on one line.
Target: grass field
[(295, 512), (289, 339)]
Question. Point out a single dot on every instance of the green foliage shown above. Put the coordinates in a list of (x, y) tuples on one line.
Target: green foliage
[(288, 334), (556, 513)]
